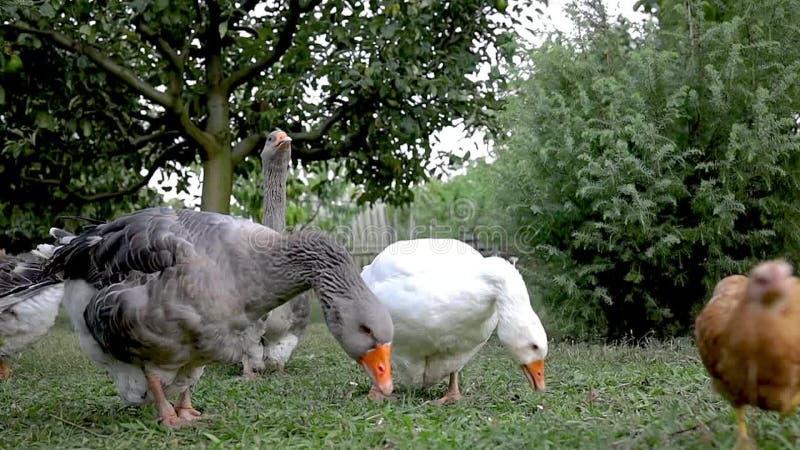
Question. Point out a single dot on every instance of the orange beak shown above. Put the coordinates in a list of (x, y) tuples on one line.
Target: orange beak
[(282, 141), (378, 366), (534, 372)]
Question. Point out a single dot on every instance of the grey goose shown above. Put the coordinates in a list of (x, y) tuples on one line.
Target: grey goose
[(157, 294)]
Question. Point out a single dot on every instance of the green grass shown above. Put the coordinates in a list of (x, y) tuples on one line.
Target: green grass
[(656, 396)]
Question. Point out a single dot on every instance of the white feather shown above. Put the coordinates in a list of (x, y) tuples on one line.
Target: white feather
[(24, 323), (445, 300)]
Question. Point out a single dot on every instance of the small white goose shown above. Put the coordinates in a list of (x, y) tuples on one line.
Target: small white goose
[(445, 300)]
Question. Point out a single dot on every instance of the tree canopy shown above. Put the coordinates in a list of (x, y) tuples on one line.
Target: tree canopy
[(97, 96)]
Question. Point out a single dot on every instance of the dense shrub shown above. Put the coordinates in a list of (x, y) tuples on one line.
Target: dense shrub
[(644, 164)]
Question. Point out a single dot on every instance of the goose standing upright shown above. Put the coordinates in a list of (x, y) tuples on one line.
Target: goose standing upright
[(445, 300), (28, 302), (281, 330), (157, 294)]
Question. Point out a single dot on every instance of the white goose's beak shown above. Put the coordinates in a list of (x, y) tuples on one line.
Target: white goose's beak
[(534, 372), (377, 364)]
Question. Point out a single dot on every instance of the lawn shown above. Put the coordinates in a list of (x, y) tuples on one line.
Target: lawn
[(655, 396)]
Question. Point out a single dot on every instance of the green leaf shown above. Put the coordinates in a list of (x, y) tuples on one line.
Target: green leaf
[(46, 10), (45, 120), (211, 437), (160, 5), (86, 128)]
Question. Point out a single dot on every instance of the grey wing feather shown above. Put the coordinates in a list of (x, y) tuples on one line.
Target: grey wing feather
[(112, 318), (22, 277), (121, 258), (145, 241)]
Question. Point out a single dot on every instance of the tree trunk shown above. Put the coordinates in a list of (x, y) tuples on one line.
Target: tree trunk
[(217, 182), (218, 169)]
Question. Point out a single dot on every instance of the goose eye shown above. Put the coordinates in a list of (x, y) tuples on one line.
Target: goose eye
[(365, 329), (535, 347)]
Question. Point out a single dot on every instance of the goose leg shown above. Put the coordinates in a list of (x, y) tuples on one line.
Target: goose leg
[(184, 407), (5, 370), (743, 440), (453, 394), (247, 369), (165, 409)]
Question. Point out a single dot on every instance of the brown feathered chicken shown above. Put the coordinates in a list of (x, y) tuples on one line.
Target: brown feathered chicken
[(748, 337)]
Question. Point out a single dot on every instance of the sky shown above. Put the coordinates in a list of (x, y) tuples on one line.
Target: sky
[(453, 139)]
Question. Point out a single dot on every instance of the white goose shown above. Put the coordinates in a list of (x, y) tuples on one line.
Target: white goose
[(157, 294), (445, 300), (28, 302)]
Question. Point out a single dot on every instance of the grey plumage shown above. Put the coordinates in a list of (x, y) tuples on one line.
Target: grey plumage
[(160, 292), (283, 327), (21, 277), (275, 161)]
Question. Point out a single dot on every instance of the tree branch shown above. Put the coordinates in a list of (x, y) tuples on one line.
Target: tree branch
[(249, 30), (47, 181), (243, 75), (136, 140), (144, 139), (244, 147), (308, 222), (102, 60), (199, 136), (159, 162), (163, 47), (151, 171), (239, 13), (324, 126), (307, 153), (315, 151)]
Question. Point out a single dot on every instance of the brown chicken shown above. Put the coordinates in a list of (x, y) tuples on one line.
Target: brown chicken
[(748, 337)]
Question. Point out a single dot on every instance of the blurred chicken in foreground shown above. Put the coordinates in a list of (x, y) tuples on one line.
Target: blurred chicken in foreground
[(748, 337)]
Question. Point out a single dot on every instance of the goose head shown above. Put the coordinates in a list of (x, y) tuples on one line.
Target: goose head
[(518, 327), (526, 341), (364, 329), (277, 142), (359, 322)]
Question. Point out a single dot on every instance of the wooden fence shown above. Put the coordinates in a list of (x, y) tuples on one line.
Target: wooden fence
[(372, 230)]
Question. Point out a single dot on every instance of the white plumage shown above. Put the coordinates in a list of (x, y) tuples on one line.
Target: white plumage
[(445, 300)]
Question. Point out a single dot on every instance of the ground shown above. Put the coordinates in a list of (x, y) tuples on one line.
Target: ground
[(653, 396)]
